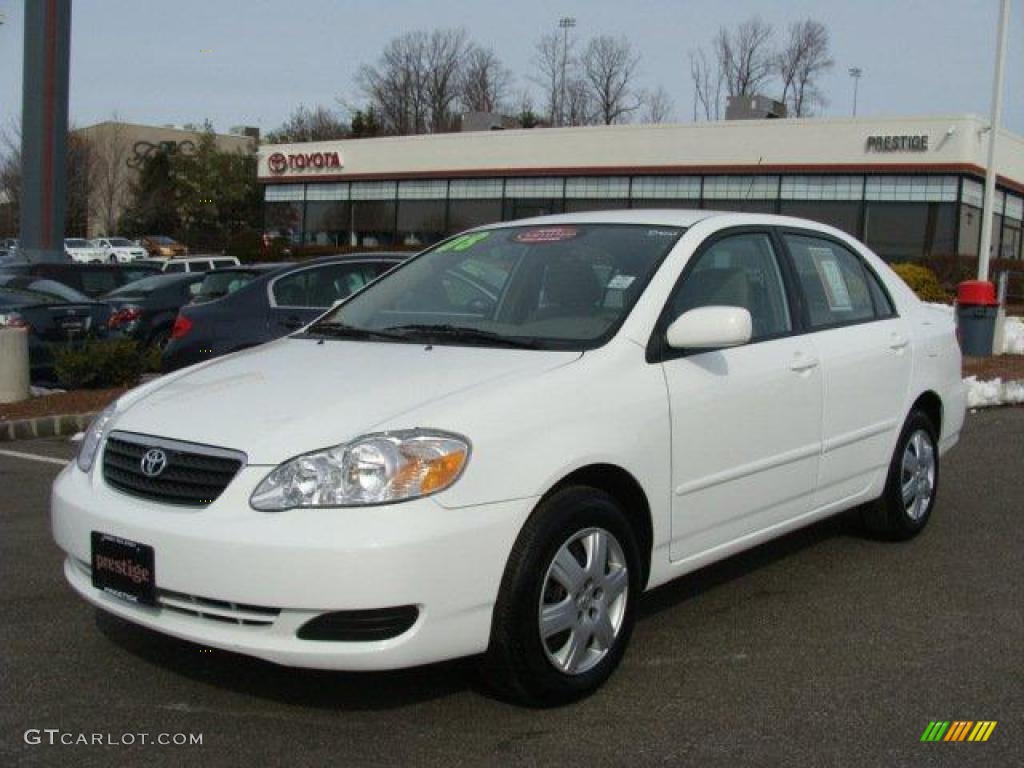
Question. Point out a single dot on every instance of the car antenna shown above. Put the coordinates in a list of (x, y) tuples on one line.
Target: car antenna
[(750, 187)]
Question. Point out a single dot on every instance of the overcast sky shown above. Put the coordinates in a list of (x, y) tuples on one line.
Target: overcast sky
[(252, 62)]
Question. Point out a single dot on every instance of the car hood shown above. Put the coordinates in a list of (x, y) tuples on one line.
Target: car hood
[(297, 395)]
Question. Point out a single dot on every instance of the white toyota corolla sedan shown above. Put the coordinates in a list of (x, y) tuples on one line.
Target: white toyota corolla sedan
[(498, 446)]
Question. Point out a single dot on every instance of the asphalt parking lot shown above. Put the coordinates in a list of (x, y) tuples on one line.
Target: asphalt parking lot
[(823, 648)]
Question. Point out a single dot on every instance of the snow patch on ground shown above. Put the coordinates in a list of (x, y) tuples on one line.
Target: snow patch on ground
[(985, 394), (1013, 336)]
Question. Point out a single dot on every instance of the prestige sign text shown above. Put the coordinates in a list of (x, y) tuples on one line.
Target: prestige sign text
[(917, 143)]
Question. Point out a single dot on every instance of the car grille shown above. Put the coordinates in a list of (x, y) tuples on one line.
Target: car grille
[(194, 475)]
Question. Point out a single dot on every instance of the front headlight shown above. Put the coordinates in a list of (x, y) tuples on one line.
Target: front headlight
[(375, 469), (94, 434)]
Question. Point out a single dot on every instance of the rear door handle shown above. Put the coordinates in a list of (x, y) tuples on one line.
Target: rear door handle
[(898, 341), (801, 363)]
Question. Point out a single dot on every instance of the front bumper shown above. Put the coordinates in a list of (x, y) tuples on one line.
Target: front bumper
[(447, 562)]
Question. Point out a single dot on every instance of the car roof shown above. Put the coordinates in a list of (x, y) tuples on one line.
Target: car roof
[(358, 256)]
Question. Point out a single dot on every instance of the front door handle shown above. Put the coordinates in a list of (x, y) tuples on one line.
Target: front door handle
[(801, 363)]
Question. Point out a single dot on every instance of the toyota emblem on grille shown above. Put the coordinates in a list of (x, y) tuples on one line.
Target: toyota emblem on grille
[(154, 461)]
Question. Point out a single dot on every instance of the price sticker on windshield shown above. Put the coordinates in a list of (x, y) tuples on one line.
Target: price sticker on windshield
[(547, 235)]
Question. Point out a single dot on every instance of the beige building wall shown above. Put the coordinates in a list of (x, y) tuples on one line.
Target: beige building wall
[(117, 152)]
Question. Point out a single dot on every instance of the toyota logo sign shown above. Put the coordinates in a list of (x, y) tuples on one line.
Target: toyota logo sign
[(153, 462), (278, 163)]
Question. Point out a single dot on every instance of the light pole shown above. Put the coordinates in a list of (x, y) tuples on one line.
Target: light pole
[(855, 73), (565, 24), (993, 131)]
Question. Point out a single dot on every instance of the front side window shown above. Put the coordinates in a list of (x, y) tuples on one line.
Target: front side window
[(323, 286), (835, 284), (738, 271), (566, 286)]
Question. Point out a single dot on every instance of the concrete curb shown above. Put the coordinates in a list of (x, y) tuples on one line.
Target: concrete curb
[(44, 426)]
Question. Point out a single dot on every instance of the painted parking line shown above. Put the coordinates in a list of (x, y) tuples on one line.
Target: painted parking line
[(34, 457)]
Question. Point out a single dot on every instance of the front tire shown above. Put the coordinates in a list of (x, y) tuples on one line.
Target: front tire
[(568, 600), (912, 485)]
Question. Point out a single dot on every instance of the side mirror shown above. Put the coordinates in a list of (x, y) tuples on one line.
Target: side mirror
[(710, 328)]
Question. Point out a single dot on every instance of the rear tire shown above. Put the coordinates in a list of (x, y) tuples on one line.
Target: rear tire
[(568, 600), (912, 485)]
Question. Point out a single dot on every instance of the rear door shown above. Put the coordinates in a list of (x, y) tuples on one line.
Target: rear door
[(746, 421), (299, 297), (866, 362)]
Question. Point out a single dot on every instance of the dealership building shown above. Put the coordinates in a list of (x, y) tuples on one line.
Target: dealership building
[(909, 187)]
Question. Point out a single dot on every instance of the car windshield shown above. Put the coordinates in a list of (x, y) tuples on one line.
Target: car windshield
[(564, 286), (161, 240), (120, 242), (222, 282), (77, 243)]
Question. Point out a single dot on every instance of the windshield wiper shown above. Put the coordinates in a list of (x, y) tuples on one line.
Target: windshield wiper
[(342, 331), (462, 333)]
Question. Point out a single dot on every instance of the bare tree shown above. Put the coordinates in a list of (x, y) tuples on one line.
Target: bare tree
[(396, 87), (656, 106), (109, 184), (10, 179), (445, 50), (485, 82), (551, 59), (609, 67), (745, 56), (309, 124), (707, 85), (579, 107), (415, 82), (801, 63)]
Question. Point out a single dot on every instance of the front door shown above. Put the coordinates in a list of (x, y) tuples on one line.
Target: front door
[(746, 421)]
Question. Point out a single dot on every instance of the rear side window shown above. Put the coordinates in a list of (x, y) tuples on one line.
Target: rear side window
[(96, 282), (321, 287), (175, 267), (834, 282)]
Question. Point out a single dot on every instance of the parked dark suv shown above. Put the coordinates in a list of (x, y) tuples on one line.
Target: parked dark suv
[(245, 306), (94, 280)]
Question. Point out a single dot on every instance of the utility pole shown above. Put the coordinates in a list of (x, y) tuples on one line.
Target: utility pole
[(565, 24), (44, 130), (855, 73), (988, 205)]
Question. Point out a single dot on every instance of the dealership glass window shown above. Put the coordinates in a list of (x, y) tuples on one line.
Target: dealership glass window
[(283, 220), (822, 187), (336, 191), (476, 189), (373, 190), (373, 223), (1010, 244), (973, 193), (597, 187), (521, 208), (911, 188), (327, 223), (970, 230), (430, 189), (667, 188), (742, 206), (909, 231), (539, 188), (465, 214), (596, 204), (281, 193), (421, 222), (841, 214), (740, 188), (652, 202)]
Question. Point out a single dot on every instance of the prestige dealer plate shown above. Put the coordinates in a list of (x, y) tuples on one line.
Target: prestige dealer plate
[(123, 568)]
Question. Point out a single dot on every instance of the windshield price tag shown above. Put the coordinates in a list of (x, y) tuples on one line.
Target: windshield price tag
[(547, 235)]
